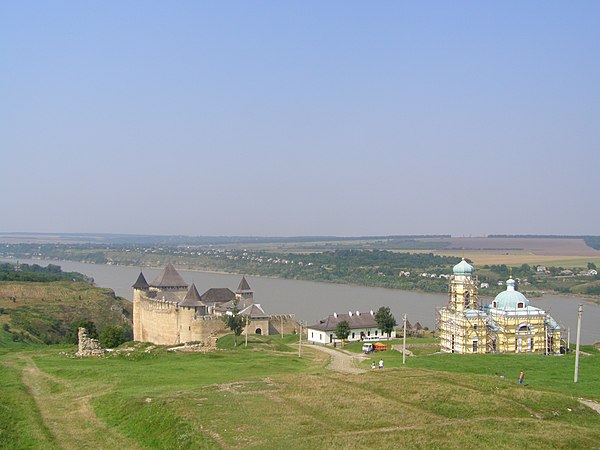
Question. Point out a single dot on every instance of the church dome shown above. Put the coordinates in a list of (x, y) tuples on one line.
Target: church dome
[(462, 268), (510, 299)]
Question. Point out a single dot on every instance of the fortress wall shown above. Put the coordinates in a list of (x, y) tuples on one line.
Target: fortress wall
[(255, 324), (186, 316), (290, 325), (158, 322), (207, 328), (137, 330)]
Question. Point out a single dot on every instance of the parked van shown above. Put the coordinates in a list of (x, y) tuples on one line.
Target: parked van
[(367, 348)]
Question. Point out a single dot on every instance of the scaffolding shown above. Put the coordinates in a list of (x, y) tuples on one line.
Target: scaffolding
[(469, 328)]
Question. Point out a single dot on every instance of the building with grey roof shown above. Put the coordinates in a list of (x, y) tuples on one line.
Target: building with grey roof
[(363, 326)]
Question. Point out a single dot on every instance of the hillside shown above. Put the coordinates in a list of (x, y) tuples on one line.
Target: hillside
[(263, 397), (43, 312)]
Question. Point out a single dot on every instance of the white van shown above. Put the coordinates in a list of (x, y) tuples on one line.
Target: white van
[(367, 348)]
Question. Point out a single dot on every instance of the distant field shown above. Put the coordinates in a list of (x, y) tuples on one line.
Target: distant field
[(516, 251)]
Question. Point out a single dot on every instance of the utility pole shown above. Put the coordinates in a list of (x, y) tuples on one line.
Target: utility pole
[(282, 326), (404, 342), (300, 340), (579, 313), (568, 339), (546, 332), (246, 344)]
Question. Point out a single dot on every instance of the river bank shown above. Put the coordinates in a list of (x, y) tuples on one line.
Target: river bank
[(311, 301)]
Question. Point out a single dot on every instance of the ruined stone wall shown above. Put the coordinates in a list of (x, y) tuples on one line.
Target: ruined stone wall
[(88, 346), (288, 321)]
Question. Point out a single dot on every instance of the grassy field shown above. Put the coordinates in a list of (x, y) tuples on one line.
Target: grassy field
[(266, 396)]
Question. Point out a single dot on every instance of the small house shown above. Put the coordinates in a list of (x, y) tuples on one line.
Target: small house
[(362, 327)]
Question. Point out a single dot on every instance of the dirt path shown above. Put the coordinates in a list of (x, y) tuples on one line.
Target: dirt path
[(67, 412), (591, 404), (341, 360)]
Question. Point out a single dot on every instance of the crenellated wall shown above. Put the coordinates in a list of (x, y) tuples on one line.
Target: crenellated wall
[(290, 325), (165, 323)]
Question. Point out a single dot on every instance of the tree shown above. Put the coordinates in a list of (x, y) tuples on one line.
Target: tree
[(385, 320), (591, 266), (112, 337), (89, 326), (234, 321), (342, 330)]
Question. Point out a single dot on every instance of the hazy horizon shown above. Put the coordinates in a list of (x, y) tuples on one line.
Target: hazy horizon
[(300, 119)]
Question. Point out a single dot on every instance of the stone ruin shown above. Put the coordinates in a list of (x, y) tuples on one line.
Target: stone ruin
[(209, 345), (87, 345)]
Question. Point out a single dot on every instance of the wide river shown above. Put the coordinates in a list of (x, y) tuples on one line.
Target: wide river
[(311, 301)]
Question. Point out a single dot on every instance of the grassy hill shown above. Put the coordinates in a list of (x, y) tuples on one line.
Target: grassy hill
[(42, 312), (266, 396)]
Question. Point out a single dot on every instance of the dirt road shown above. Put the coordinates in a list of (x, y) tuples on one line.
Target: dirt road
[(341, 360)]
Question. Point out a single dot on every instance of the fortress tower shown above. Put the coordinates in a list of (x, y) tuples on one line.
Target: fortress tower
[(244, 292)]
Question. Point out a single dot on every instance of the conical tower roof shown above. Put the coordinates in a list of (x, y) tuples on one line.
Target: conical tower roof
[(141, 282), (244, 286), (169, 278), (192, 298)]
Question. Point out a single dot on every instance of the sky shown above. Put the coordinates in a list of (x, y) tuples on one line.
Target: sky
[(274, 118)]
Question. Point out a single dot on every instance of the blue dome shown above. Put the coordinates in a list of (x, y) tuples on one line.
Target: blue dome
[(462, 268), (510, 299)]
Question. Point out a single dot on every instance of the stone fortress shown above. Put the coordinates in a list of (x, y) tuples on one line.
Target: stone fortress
[(508, 325), (169, 312)]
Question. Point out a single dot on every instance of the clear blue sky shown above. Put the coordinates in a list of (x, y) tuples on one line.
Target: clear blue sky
[(300, 118)]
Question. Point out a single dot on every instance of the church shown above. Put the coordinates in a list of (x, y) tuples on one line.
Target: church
[(168, 311), (509, 324)]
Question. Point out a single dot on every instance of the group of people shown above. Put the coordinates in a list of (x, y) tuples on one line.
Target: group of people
[(380, 364)]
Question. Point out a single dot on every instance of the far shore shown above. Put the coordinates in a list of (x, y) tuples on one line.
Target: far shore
[(585, 298)]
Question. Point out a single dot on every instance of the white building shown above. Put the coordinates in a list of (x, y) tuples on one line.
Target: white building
[(362, 327)]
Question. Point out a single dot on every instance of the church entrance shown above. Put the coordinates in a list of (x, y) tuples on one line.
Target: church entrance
[(258, 331)]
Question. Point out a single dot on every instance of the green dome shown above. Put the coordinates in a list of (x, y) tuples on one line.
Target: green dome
[(462, 268), (510, 299)]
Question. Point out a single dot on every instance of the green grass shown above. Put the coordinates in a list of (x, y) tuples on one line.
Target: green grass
[(263, 397), (258, 342), (552, 373), (21, 425)]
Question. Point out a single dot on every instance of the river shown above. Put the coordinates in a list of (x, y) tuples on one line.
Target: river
[(311, 301)]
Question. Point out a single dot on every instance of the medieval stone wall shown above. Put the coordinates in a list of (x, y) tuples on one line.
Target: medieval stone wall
[(158, 322), (164, 323), (288, 321)]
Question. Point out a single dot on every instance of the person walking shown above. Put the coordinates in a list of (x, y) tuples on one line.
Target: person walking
[(521, 377), (381, 363)]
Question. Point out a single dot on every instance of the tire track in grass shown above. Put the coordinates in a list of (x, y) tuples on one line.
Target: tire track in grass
[(67, 411)]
